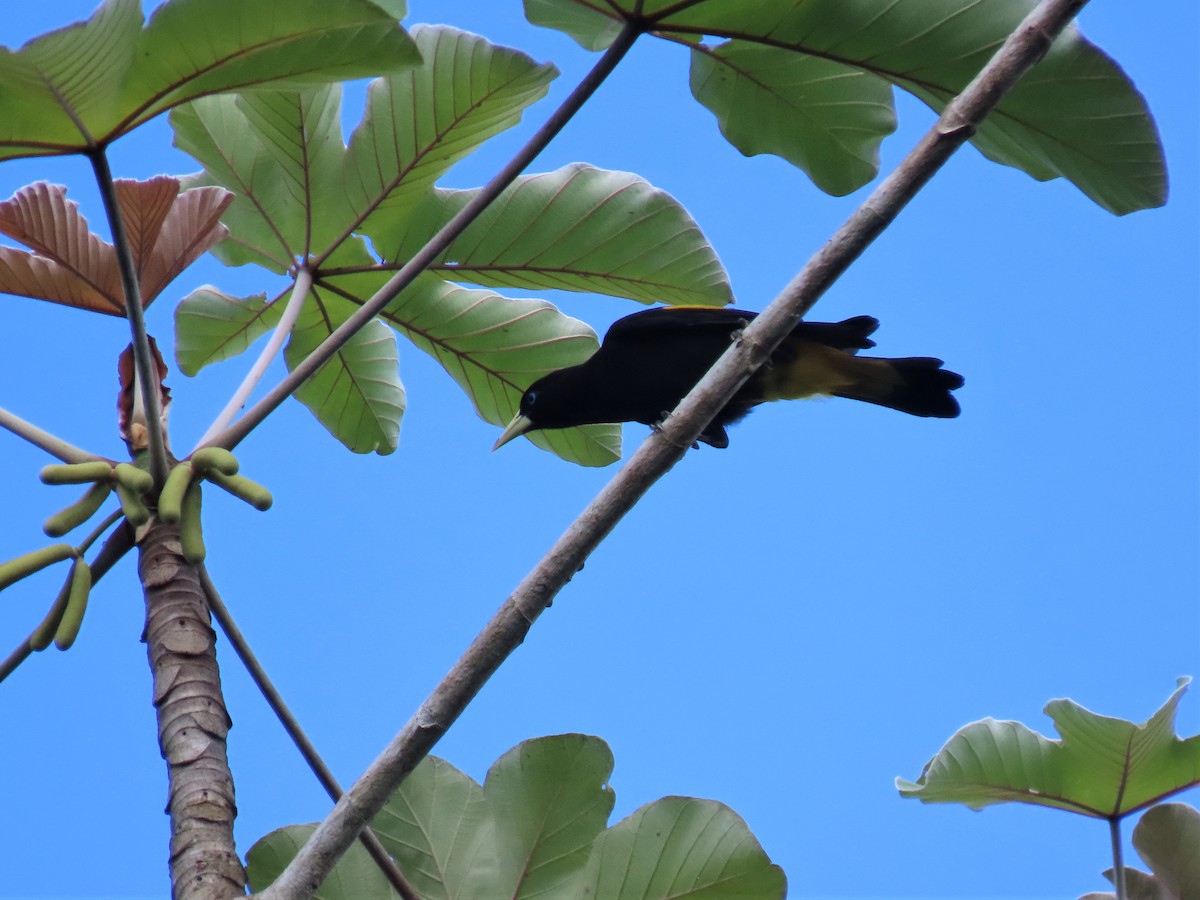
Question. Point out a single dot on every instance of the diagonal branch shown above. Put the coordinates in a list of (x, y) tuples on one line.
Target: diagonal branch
[(55, 446), (666, 446), (436, 245)]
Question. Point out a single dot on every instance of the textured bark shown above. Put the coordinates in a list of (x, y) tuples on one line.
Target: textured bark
[(192, 723)]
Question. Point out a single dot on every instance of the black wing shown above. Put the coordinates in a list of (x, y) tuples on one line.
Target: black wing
[(722, 322)]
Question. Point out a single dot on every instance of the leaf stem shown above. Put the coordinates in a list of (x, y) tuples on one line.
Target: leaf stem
[(1118, 855), (663, 448), (143, 361), (300, 290), (436, 245), (55, 446), (262, 681)]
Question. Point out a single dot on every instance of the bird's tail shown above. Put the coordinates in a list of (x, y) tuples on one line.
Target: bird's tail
[(917, 385)]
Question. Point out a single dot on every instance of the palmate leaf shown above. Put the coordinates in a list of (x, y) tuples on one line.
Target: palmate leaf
[(167, 230), (355, 876), (211, 326), (303, 195), (87, 84), (357, 395), (824, 117), (494, 347), (419, 123), (536, 829), (1102, 767), (579, 228), (1076, 115)]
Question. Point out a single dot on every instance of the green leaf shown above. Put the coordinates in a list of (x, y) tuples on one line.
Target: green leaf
[(356, 874), (823, 117), (419, 123), (536, 829), (494, 347), (357, 395), (281, 154), (437, 828), (211, 326), (591, 28), (1102, 767), (1075, 115), (1167, 838), (550, 799), (680, 847), (91, 82), (581, 229)]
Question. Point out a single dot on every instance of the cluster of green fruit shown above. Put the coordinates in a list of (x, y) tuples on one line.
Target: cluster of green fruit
[(177, 503)]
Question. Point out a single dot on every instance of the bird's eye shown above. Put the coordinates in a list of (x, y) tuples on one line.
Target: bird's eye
[(529, 399)]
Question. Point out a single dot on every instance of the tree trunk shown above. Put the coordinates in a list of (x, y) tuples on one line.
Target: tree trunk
[(192, 723)]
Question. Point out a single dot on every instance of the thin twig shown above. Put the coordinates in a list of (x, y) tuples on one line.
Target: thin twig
[(262, 681), (143, 361), (1118, 854), (436, 245), (287, 321), (662, 449), (55, 446)]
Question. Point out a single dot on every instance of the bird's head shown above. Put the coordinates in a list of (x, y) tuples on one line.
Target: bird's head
[(547, 403)]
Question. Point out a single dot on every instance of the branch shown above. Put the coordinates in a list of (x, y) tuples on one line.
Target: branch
[(436, 245), (287, 321), (55, 446), (237, 640), (143, 361), (663, 448)]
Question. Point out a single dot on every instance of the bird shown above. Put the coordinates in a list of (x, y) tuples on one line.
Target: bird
[(650, 360)]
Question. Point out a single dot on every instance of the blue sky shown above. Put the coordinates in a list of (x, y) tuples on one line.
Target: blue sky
[(785, 626)]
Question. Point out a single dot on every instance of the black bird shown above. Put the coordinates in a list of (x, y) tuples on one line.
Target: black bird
[(650, 360)]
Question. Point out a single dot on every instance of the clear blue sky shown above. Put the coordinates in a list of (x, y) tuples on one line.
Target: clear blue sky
[(784, 626)]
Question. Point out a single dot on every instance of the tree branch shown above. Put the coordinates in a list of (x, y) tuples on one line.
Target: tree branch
[(436, 245), (143, 360), (55, 446), (258, 674), (664, 448)]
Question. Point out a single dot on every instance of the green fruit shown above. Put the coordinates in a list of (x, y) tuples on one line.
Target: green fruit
[(244, 489), (217, 459), (132, 505), (77, 598), (44, 633), (79, 511), (77, 473), (139, 481), (23, 566), (170, 501), (191, 537)]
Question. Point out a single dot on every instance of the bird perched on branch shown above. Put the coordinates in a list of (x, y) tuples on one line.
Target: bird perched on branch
[(648, 361)]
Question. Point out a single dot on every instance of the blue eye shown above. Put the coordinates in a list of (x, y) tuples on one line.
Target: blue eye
[(530, 398)]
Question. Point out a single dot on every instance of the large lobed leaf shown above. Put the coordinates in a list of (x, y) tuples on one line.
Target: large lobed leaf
[(1102, 767), (303, 197), (84, 85), (494, 347), (536, 828), (1075, 115), (68, 264), (579, 228)]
